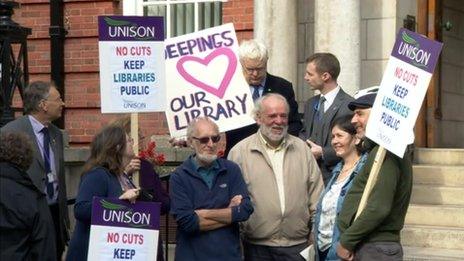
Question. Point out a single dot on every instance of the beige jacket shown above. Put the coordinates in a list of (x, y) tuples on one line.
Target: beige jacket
[(302, 185)]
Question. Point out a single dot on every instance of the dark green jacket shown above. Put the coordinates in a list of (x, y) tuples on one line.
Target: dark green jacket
[(383, 217)]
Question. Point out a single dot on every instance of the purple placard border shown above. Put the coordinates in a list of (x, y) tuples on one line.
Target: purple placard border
[(100, 204), (156, 22), (406, 37)]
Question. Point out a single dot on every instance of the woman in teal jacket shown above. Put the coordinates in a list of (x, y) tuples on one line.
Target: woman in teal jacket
[(347, 146)]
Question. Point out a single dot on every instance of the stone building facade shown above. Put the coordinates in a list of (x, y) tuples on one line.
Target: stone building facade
[(360, 32)]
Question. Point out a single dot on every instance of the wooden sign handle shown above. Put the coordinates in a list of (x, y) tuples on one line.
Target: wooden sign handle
[(379, 157), (135, 138)]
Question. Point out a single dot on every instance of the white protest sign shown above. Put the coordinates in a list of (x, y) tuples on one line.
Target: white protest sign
[(121, 230), (204, 78), (132, 76), (402, 90)]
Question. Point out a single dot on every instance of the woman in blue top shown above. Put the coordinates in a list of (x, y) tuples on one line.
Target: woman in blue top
[(347, 146), (110, 152)]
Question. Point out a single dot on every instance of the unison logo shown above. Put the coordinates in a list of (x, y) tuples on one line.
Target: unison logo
[(121, 214), (121, 28), (410, 48)]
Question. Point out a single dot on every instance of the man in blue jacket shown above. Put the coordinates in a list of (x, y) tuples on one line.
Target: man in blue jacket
[(208, 199)]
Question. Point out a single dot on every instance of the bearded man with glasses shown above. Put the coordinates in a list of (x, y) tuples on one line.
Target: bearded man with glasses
[(208, 199)]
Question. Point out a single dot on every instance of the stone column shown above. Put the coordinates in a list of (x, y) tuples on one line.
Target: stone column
[(337, 30), (275, 23), (129, 7)]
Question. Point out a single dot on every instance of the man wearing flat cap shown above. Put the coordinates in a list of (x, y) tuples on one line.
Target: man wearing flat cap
[(375, 233)]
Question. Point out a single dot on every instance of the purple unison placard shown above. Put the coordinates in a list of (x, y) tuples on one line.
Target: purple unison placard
[(416, 50), (121, 213), (130, 28)]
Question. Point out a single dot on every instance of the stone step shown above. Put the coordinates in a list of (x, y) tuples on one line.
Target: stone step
[(436, 254), (433, 237), (436, 195), (439, 156), (436, 215), (439, 175)]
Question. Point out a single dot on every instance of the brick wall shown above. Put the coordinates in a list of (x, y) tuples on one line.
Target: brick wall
[(82, 90), (240, 13)]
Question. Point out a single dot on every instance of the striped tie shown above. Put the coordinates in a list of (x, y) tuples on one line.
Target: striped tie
[(255, 95)]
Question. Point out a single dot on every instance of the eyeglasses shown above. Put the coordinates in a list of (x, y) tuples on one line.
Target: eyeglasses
[(205, 140), (59, 99), (252, 70)]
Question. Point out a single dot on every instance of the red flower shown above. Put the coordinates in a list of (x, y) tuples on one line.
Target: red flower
[(160, 159), (152, 156)]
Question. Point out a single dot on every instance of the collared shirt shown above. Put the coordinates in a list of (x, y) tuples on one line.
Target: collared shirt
[(37, 128), (330, 97), (260, 87), (206, 173), (276, 156)]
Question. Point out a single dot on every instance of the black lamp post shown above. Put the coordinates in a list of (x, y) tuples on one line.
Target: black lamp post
[(13, 53)]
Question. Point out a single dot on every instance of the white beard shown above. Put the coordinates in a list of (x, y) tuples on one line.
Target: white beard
[(206, 158), (267, 132)]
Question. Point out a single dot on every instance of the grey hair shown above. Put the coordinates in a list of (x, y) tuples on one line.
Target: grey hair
[(252, 49), (259, 103), (34, 94), (192, 127)]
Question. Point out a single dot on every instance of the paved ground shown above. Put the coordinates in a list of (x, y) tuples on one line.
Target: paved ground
[(410, 254)]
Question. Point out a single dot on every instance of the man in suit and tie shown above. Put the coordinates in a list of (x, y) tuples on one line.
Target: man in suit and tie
[(322, 70), (42, 105), (253, 58)]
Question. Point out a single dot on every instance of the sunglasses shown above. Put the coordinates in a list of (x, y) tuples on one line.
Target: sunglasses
[(205, 140)]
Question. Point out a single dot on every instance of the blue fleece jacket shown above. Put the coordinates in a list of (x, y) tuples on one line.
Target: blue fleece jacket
[(189, 192)]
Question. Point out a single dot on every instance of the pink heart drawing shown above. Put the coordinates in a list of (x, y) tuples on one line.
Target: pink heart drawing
[(229, 73)]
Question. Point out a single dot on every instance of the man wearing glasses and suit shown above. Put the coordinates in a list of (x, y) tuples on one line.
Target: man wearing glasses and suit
[(253, 58), (208, 199), (42, 105), (322, 70)]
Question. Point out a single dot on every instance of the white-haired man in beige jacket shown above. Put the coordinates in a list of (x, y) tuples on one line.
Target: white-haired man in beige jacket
[(284, 183)]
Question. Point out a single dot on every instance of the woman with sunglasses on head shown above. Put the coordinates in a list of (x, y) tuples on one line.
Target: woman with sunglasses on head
[(149, 180), (110, 152), (347, 146)]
